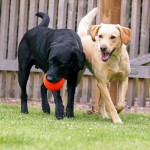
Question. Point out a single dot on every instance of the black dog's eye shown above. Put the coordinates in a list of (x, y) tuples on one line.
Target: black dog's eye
[(60, 64), (112, 37), (100, 36), (50, 62)]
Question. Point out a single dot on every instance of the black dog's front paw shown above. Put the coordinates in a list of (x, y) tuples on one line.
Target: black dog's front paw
[(24, 112), (46, 108), (59, 113), (24, 109), (69, 113)]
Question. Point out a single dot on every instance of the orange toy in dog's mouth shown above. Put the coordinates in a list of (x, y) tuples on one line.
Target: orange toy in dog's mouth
[(53, 86)]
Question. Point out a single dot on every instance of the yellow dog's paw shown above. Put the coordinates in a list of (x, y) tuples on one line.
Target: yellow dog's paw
[(117, 121), (104, 114), (119, 108)]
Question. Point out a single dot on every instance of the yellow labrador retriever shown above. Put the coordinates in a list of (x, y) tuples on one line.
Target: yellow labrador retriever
[(107, 59)]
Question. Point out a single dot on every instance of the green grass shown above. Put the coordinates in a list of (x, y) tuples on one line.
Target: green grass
[(85, 132)]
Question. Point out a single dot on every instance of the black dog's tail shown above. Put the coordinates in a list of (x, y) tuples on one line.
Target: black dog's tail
[(45, 19)]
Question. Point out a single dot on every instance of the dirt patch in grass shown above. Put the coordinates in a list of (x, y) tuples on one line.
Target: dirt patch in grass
[(78, 105)]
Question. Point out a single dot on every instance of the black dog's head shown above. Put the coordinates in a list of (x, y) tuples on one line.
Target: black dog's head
[(64, 60)]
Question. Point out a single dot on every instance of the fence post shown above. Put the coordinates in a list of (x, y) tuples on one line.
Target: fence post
[(144, 47), (134, 46)]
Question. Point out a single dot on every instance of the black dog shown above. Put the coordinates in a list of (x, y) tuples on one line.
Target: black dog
[(59, 54)]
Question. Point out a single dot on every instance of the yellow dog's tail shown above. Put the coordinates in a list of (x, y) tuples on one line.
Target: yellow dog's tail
[(86, 22)]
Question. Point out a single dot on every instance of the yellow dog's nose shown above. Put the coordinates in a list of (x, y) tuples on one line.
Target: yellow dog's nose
[(103, 48)]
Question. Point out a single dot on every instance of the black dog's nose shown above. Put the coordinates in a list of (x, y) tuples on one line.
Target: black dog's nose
[(103, 48), (49, 78)]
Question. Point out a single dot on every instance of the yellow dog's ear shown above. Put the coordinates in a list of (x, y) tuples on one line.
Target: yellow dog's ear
[(93, 31), (125, 34)]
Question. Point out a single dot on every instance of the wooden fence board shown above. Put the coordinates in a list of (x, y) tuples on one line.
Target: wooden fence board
[(22, 19), (62, 14), (94, 84), (8, 87), (81, 10), (135, 22), (124, 12), (98, 21), (136, 71), (16, 86), (144, 42), (141, 60), (50, 97), (71, 14), (13, 29), (12, 65), (30, 86), (4, 28), (144, 47), (85, 89), (140, 72), (91, 5), (32, 12), (0, 8), (3, 39), (2, 78), (52, 12), (89, 88), (79, 92), (141, 93), (43, 6), (36, 85), (134, 45), (11, 54), (131, 92)]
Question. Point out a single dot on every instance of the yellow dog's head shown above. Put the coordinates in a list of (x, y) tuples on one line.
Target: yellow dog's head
[(109, 37)]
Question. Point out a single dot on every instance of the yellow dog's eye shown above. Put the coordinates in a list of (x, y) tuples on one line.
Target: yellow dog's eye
[(100, 36), (112, 37)]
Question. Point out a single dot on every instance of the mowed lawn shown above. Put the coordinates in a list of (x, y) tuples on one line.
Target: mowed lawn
[(39, 131)]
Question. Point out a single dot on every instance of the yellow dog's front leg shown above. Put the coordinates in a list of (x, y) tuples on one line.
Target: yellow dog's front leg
[(109, 104), (122, 90)]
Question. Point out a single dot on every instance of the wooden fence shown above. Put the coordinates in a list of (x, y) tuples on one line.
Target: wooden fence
[(17, 16)]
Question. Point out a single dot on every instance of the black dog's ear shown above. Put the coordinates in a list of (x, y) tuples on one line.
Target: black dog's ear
[(80, 56), (53, 44)]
